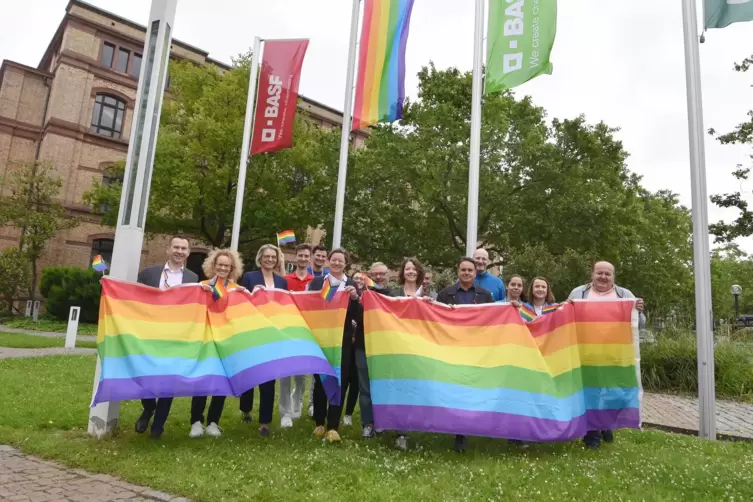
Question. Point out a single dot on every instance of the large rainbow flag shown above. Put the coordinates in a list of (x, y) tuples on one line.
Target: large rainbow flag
[(181, 342), (481, 370), (380, 91)]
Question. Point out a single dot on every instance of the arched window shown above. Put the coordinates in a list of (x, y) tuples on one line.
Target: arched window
[(108, 116), (102, 247)]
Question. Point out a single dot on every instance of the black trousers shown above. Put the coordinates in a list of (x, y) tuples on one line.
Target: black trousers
[(159, 409), (323, 410), (351, 386), (267, 397), (216, 406)]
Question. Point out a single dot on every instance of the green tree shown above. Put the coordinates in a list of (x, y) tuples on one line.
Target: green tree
[(729, 266), (554, 196), (32, 207), (196, 166), (742, 226), (14, 275)]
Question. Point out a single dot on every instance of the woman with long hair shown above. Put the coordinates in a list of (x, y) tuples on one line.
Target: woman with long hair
[(515, 287), (540, 300), (223, 266), (271, 263)]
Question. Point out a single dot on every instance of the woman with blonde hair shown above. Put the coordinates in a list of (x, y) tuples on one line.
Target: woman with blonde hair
[(223, 266), (271, 263)]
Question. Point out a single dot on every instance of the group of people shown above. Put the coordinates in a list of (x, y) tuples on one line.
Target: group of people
[(315, 265)]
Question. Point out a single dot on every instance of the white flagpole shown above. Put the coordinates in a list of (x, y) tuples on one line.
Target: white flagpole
[(471, 240), (701, 259), (345, 137), (248, 127)]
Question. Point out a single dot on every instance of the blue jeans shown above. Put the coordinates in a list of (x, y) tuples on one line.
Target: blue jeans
[(364, 387)]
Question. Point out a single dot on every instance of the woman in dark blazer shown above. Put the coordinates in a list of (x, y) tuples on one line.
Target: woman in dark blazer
[(271, 263), (338, 260)]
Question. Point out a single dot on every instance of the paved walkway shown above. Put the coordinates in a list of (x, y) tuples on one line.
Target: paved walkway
[(26, 478), (681, 413), (45, 334), (8, 353)]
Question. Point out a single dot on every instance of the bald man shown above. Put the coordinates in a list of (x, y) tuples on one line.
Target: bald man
[(484, 279), (602, 287)]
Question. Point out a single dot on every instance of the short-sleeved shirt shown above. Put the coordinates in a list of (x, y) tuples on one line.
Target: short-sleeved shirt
[(295, 283)]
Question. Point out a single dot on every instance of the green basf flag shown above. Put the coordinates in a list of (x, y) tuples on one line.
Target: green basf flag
[(520, 40), (721, 13)]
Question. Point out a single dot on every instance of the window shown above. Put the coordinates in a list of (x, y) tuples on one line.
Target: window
[(107, 118), (123, 56), (102, 247), (108, 51), (136, 65)]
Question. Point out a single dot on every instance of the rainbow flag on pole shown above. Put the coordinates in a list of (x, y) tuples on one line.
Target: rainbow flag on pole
[(285, 237), (181, 342), (481, 370), (380, 92)]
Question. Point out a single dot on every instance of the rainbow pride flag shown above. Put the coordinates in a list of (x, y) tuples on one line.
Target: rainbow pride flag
[(481, 370), (181, 342), (285, 237), (99, 264), (380, 92), (328, 291), (528, 313)]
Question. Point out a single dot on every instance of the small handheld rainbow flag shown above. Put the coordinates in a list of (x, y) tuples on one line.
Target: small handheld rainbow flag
[(218, 289), (99, 264), (285, 237), (328, 290), (368, 281), (528, 314)]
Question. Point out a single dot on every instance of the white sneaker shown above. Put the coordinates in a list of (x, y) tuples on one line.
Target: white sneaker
[(347, 420), (286, 422), (311, 410), (197, 430), (213, 430), (402, 442)]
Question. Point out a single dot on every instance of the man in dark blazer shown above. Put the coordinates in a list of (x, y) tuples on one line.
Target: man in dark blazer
[(464, 292), (164, 276)]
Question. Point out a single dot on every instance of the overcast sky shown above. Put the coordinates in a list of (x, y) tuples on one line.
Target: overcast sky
[(623, 64)]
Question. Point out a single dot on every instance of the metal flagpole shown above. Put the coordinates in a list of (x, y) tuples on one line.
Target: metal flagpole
[(248, 125), (471, 240), (701, 260), (345, 137)]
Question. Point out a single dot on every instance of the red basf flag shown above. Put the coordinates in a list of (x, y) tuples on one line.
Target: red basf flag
[(277, 99)]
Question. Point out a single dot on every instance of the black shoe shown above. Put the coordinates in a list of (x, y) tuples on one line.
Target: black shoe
[(460, 443), (264, 431), (592, 439), (247, 418), (156, 434), (142, 424), (607, 436), (518, 443)]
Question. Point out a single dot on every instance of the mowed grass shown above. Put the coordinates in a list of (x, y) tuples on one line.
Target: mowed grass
[(49, 325), (45, 409), (24, 341)]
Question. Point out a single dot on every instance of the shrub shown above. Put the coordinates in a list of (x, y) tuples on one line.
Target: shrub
[(14, 276), (670, 365), (66, 287)]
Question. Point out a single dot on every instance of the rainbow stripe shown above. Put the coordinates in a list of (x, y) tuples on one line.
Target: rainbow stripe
[(380, 92), (483, 371), (285, 237), (180, 342), (99, 264), (328, 291), (528, 313), (368, 281)]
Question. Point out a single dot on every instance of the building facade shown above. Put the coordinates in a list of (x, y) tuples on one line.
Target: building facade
[(75, 109)]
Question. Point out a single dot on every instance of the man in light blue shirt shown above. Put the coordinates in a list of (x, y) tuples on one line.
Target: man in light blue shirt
[(484, 279)]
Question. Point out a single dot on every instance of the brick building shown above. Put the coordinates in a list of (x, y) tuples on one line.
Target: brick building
[(74, 110)]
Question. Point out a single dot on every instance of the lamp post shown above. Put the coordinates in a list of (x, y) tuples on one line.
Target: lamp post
[(736, 290), (137, 179)]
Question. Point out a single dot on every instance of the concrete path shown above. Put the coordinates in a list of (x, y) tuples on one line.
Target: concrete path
[(27, 478), (680, 414), (8, 353), (45, 334)]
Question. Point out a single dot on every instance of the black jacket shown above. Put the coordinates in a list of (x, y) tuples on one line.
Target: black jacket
[(355, 312), (360, 339), (449, 295)]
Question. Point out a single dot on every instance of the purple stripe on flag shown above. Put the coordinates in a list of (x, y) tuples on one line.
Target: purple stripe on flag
[(500, 425), (401, 58), (125, 389)]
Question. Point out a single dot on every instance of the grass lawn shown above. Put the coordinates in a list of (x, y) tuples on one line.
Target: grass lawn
[(50, 325), (44, 412), (22, 341)]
